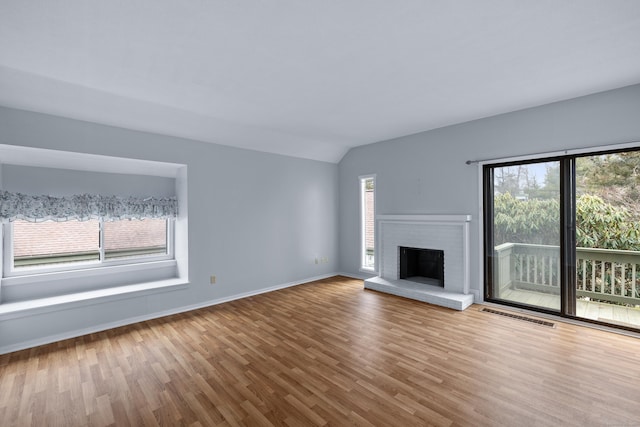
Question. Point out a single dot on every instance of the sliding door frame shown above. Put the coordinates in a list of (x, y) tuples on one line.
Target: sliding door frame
[(568, 236), (568, 295), (488, 259)]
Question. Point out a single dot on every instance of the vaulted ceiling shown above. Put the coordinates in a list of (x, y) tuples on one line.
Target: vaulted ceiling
[(313, 78)]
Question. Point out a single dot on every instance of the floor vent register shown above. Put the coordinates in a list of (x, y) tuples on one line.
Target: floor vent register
[(519, 317)]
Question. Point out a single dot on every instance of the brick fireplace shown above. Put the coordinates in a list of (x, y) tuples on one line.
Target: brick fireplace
[(446, 233)]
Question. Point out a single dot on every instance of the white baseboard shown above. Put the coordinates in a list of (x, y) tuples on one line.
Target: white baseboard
[(110, 325), (359, 276)]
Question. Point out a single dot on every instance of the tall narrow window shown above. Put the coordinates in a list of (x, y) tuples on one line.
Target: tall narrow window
[(367, 222)]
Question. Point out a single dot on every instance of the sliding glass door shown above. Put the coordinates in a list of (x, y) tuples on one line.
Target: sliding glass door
[(524, 233), (608, 238), (562, 236)]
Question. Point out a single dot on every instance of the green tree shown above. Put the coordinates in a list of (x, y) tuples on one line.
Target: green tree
[(603, 225), (533, 221), (551, 185), (606, 170), (598, 224), (516, 180), (613, 177)]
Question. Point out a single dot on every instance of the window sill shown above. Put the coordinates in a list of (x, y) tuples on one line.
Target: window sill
[(368, 270), (91, 271), (18, 309), (49, 285)]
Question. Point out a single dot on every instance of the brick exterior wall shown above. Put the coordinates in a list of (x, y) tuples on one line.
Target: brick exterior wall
[(59, 237), (134, 234), (32, 239)]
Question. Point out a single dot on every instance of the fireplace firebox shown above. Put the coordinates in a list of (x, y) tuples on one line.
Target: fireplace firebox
[(422, 265)]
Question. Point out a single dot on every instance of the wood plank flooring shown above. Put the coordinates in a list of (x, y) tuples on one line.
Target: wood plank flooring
[(327, 353)]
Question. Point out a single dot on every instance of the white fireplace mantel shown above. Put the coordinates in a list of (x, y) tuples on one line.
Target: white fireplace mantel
[(449, 233)]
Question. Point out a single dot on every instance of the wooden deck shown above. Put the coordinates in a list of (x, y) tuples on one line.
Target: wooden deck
[(327, 353), (610, 313)]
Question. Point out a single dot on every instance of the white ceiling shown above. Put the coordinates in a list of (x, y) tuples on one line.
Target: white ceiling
[(308, 78)]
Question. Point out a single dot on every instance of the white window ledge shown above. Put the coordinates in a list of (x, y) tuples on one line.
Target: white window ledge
[(18, 309), (45, 285)]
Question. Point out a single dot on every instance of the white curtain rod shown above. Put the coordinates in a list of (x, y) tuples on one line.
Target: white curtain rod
[(618, 146)]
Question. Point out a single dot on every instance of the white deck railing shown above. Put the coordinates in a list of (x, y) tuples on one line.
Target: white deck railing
[(601, 274)]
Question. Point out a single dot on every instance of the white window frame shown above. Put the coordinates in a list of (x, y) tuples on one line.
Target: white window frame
[(10, 271), (363, 244)]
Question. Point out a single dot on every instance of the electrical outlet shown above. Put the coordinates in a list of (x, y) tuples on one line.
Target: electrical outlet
[(212, 280)]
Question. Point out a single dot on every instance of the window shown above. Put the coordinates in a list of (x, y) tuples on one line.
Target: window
[(135, 238), (36, 247), (33, 245), (55, 246), (562, 235), (77, 226), (367, 222)]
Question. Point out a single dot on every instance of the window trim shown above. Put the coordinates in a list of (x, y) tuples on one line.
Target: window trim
[(10, 271), (362, 245)]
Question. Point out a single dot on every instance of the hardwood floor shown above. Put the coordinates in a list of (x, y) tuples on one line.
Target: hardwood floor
[(327, 353)]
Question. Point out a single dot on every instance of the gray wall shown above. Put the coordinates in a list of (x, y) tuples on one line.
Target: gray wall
[(256, 220), (426, 173), (63, 182)]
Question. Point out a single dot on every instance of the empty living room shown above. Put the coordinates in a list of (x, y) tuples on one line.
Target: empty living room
[(371, 213)]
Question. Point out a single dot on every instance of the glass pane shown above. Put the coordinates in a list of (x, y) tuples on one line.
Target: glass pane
[(526, 234), (134, 238), (608, 238), (368, 203), (52, 243)]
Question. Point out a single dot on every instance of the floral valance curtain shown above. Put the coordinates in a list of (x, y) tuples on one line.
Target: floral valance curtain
[(84, 207)]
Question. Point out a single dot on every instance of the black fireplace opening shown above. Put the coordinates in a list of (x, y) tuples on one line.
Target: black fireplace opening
[(422, 265)]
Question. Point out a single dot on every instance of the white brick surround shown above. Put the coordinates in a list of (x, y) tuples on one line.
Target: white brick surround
[(449, 233)]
